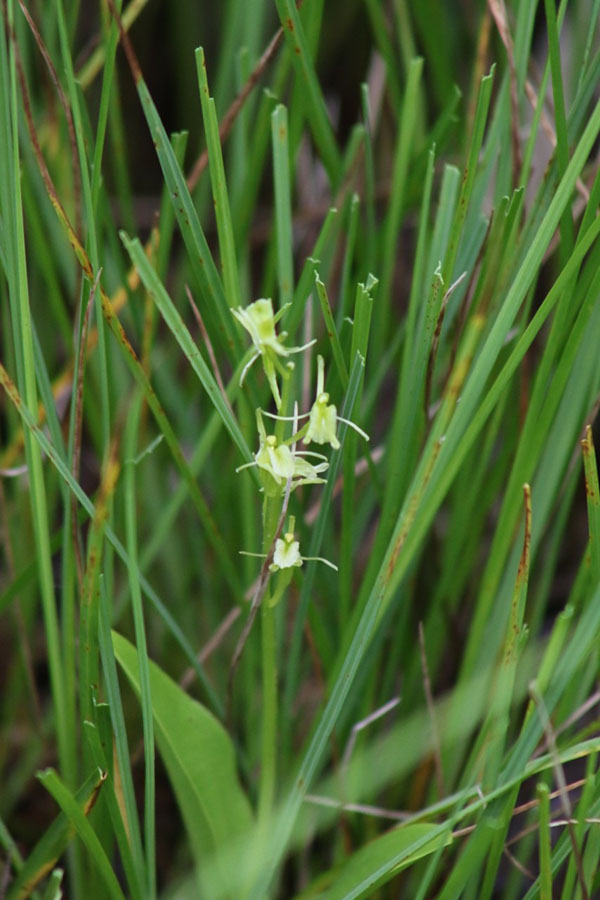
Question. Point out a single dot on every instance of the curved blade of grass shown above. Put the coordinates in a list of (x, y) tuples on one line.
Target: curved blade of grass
[(122, 760), (171, 316), (77, 817), (98, 755), (200, 257), (88, 617), (54, 842), (380, 860), (130, 449), (403, 152), (283, 204), (293, 315), (219, 187), (200, 504), (332, 334), (592, 492)]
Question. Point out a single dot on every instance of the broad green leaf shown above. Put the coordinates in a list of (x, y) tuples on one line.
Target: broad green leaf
[(199, 758)]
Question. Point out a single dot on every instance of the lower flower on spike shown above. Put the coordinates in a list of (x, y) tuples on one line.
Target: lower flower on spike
[(287, 552)]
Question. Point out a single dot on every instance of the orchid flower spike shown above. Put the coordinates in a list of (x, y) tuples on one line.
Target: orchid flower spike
[(259, 321), (277, 463), (323, 417)]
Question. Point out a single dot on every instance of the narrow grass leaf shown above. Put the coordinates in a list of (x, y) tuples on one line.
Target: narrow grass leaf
[(316, 110), (130, 449), (203, 265), (283, 204), (171, 316), (79, 821), (332, 333), (54, 842), (219, 187), (98, 754), (374, 864), (592, 492)]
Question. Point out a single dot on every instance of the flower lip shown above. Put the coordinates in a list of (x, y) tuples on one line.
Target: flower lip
[(287, 553)]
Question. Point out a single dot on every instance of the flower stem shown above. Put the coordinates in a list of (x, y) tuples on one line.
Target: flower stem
[(266, 795)]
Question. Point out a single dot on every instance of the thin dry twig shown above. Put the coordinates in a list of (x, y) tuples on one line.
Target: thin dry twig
[(364, 723), (546, 124), (437, 749), (209, 348), (573, 461), (362, 808), (23, 637), (359, 469), (235, 108), (435, 342), (77, 191), (14, 471), (211, 645), (561, 783), (499, 14), (518, 865), (79, 427), (261, 587)]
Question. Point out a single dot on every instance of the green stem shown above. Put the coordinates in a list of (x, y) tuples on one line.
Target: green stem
[(269, 676)]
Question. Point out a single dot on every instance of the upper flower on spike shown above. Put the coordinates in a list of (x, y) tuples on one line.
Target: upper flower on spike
[(259, 321), (323, 417)]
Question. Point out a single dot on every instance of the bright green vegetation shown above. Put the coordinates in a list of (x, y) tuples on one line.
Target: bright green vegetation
[(192, 704)]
